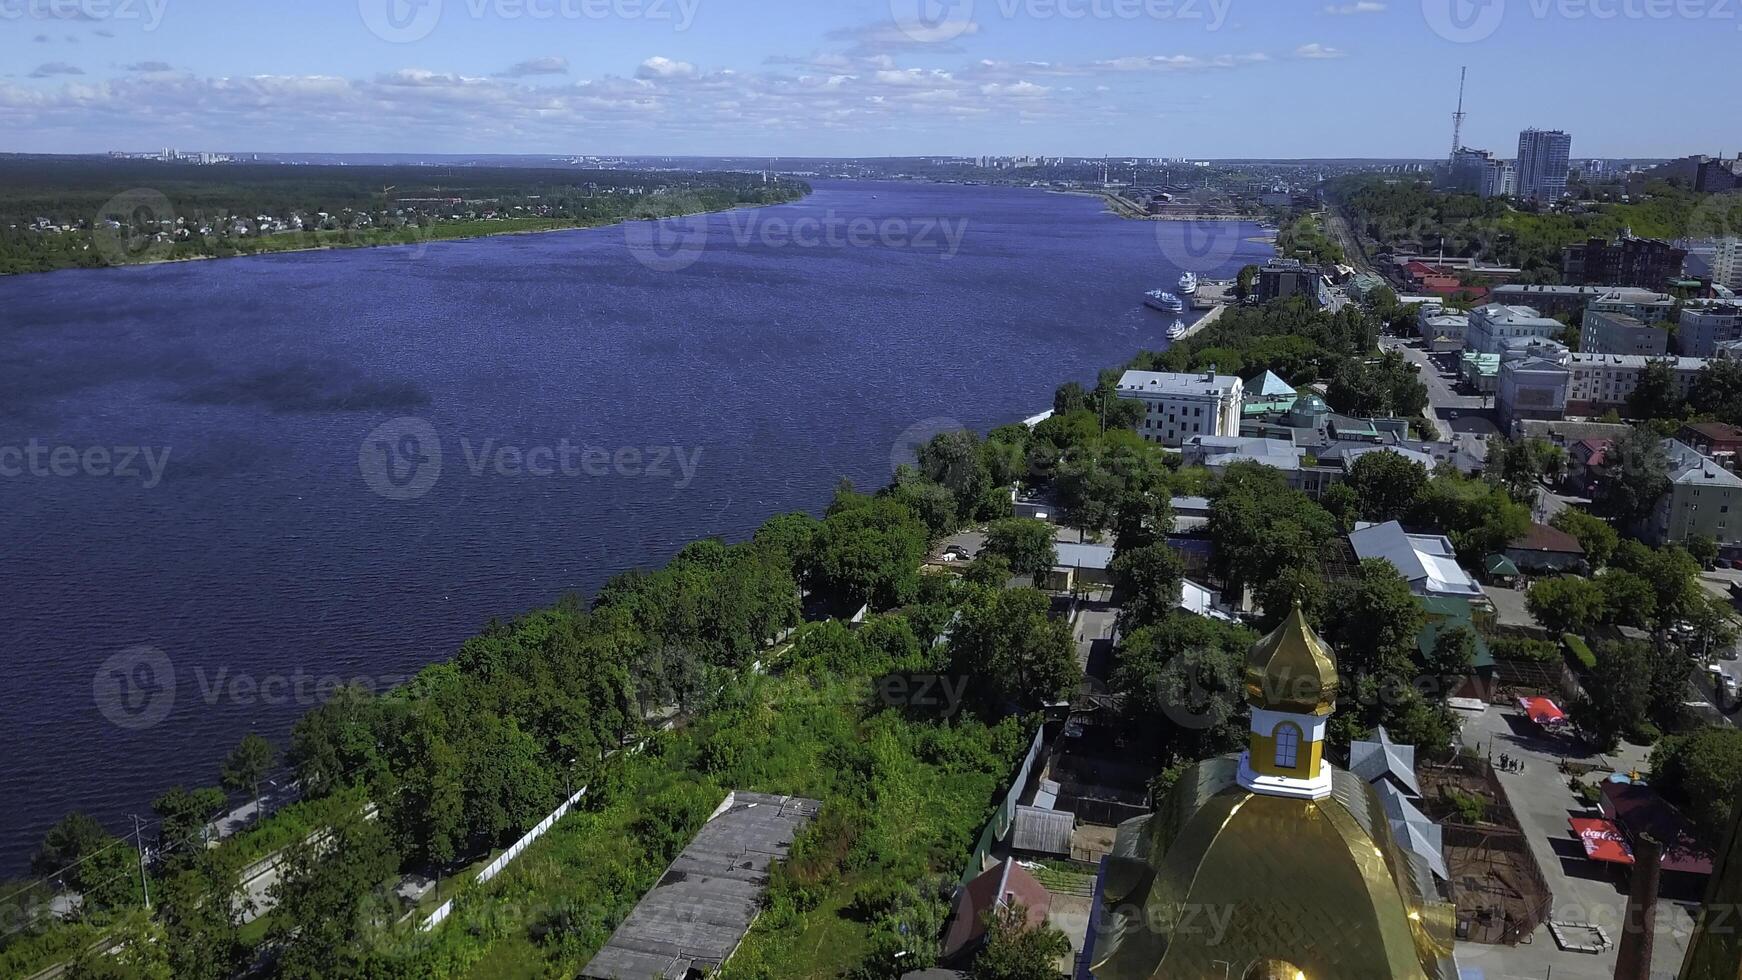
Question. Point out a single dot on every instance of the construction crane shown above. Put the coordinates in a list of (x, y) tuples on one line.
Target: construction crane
[(1458, 117)]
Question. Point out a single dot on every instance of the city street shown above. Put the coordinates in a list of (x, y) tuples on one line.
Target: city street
[(1465, 419)]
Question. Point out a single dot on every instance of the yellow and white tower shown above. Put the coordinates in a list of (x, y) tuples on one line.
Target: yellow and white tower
[(1291, 686)]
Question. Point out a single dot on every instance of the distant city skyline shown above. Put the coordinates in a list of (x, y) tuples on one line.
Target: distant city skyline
[(1216, 79)]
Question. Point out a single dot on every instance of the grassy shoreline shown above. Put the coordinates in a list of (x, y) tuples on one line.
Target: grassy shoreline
[(451, 231)]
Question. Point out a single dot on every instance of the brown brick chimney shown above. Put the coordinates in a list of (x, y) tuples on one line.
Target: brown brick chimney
[(1639, 922)]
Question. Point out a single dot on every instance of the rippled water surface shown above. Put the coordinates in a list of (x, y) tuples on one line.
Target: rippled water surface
[(697, 389)]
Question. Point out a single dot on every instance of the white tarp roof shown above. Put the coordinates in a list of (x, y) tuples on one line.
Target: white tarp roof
[(1426, 561)]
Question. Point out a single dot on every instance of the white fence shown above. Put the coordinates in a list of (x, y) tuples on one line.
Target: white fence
[(495, 867)]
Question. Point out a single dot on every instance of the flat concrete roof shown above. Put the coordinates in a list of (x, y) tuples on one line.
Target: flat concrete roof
[(700, 909)]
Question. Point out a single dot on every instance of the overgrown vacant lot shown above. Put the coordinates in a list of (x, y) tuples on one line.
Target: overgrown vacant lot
[(903, 801)]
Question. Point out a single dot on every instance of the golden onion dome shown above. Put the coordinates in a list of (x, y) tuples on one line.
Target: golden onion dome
[(1292, 670), (1274, 970)]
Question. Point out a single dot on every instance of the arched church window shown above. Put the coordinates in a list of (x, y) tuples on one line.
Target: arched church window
[(1287, 746)]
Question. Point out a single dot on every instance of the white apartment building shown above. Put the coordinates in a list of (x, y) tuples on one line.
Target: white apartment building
[(1435, 322), (1644, 305), (1727, 264), (1704, 329), (1599, 382), (1177, 407), (1618, 333), (1704, 499), (1492, 325)]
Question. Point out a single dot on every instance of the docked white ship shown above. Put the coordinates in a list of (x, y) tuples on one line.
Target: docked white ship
[(1176, 331), (1188, 284), (1160, 299)]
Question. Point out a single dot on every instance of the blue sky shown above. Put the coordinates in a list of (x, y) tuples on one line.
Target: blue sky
[(1198, 78)]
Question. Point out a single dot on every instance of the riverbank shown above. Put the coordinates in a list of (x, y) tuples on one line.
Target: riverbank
[(412, 236), (1124, 207)]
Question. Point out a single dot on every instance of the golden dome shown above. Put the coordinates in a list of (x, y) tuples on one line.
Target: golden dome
[(1292, 670), (1223, 881), (1274, 970)]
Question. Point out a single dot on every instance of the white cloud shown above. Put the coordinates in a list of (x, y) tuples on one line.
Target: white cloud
[(1179, 62), (662, 67), (1316, 51), (1358, 7), (53, 68), (1019, 90)]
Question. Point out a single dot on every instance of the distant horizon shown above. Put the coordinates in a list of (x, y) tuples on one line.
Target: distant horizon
[(1203, 79), (141, 154)]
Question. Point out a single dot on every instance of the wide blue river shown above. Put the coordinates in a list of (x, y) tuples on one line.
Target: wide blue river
[(224, 484)]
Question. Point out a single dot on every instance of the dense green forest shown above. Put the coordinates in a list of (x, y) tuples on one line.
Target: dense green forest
[(86, 212), (1388, 211)]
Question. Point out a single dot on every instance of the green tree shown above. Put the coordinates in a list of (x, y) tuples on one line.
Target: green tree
[(1480, 518), (868, 551), (1656, 396), (1521, 466), (333, 745), (1717, 391), (81, 855), (1373, 620), (990, 571), (1594, 534), (1673, 574), (1026, 544), (953, 460), (1386, 484), (1628, 599), (1012, 650), (1263, 530), (184, 816), (1245, 281), (1567, 605), (1451, 659), (1343, 504), (1070, 397), (1700, 772), (330, 896), (1633, 476), (932, 503), (790, 537), (1618, 697), (1016, 950), (1702, 548), (1185, 674), (200, 911), (245, 768), (1148, 582)]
